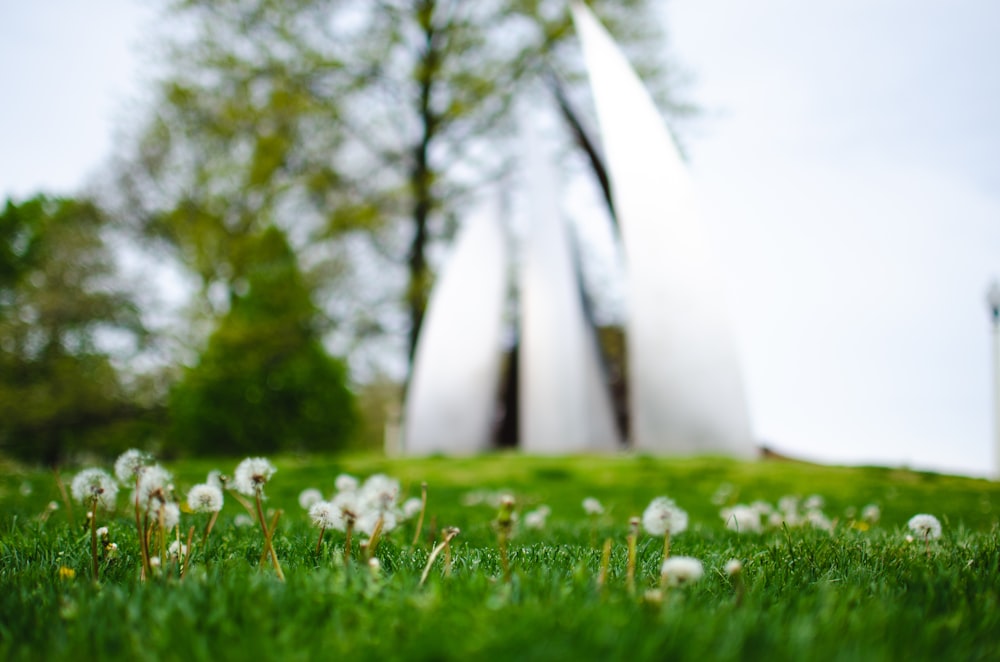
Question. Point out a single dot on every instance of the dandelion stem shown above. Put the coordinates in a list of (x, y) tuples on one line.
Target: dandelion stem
[(143, 546), (243, 502), (666, 546), (630, 571), (319, 543), (602, 576), (208, 529), (93, 535), (449, 533), (423, 508), (347, 541), (162, 536), (374, 539), (505, 525), (268, 545), (187, 552)]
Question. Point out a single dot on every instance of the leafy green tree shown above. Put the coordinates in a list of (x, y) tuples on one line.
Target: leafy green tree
[(59, 389), (264, 382), (358, 127)]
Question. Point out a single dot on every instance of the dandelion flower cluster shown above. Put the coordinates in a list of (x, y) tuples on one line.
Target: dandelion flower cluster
[(171, 514), (252, 474), (871, 513), (129, 465), (95, 483), (680, 570), (177, 550), (742, 519), (215, 479), (925, 526), (662, 516), (154, 483), (592, 506), (535, 519), (346, 483), (205, 498), (326, 515), (309, 496)]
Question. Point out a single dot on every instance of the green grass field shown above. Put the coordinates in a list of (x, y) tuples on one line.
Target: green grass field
[(854, 590)]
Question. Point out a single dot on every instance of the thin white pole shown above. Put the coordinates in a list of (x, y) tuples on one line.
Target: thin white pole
[(996, 395)]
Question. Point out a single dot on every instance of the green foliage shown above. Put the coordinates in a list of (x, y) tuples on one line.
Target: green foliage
[(849, 594), (59, 391), (362, 126), (265, 383)]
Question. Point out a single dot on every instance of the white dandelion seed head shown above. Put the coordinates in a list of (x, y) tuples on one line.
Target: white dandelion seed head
[(129, 464), (925, 526), (177, 549), (154, 561), (680, 570), (871, 513), (592, 506), (348, 506), (763, 507), (742, 519), (215, 479), (242, 520), (205, 498), (535, 519), (733, 567), (154, 483), (778, 519), (251, 475), (663, 515), (171, 515), (412, 507), (346, 483), (788, 504), (368, 520), (309, 496), (93, 482), (102, 532), (325, 515), (474, 498), (818, 520), (722, 494), (379, 492), (814, 502)]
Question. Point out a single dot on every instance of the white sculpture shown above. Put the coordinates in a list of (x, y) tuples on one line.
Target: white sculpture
[(452, 396), (564, 402), (685, 388)]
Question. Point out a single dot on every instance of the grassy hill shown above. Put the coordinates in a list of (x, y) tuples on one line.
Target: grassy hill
[(843, 587)]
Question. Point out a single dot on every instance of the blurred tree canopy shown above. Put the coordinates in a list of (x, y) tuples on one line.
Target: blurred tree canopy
[(265, 383), (59, 297), (358, 128)]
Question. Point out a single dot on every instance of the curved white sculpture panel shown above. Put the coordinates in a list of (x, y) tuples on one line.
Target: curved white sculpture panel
[(452, 397), (564, 404), (685, 386)]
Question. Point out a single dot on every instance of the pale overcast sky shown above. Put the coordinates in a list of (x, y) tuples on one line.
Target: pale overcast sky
[(848, 170)]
